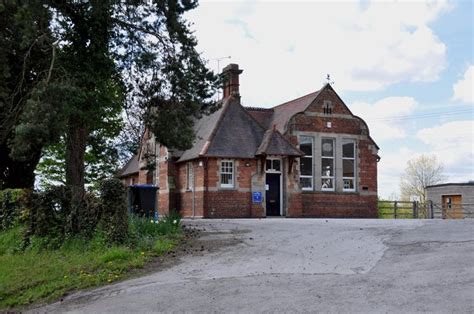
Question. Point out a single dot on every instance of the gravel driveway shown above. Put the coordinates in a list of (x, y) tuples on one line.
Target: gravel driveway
[(296, 265)]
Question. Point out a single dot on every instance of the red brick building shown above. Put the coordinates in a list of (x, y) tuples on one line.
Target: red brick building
[(309, 157)]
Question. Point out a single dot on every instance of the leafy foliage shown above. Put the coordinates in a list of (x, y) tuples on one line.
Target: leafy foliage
[(49, 217), (86, 62), (26, 60), (12, 203), (114, 220), (100, 161)]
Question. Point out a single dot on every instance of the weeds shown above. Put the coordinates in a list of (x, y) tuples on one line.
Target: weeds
[(46, 270)]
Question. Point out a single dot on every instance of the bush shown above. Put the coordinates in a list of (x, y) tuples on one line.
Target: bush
[(114, 216), (12, 206), (49, 220)]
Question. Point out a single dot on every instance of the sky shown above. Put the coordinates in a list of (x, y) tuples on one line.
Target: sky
[(405, 67)]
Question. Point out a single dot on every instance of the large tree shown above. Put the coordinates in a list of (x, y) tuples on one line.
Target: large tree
[(70, 67), (104, 56), (419, 173), (114, 54), (26, 63)]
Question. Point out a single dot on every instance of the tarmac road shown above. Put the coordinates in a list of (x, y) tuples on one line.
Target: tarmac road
[(306, 265)]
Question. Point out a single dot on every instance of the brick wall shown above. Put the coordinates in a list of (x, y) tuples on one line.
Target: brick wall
[(194, 195), (235, 202), (215, 201), (336, 205), (229, 204), (166, 172)]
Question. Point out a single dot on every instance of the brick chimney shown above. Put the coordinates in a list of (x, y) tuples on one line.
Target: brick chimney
[(230, 77)]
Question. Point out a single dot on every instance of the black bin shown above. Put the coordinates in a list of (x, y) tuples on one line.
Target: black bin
[(142, 200)]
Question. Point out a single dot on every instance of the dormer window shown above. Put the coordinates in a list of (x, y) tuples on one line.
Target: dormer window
[(327, 107)]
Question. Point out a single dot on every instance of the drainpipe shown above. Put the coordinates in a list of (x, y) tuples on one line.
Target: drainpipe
[(251, 187), (194, 189), (206, 187)]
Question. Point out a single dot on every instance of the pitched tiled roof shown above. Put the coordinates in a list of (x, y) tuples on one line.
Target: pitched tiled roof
[(131, 167), (237, 132), (264, 116), (203, 129), (274, 143), (237, 135), (284, 112)]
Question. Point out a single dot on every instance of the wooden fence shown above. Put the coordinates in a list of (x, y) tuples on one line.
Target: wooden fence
[(429, 210), (453, 211)]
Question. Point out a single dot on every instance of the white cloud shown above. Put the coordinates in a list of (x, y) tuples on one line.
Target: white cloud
[(382, 115), (453, 144), (463, 89), (287, 48), (390, 169)]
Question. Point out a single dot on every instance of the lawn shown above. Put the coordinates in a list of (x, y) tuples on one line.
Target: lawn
[(41, 274)]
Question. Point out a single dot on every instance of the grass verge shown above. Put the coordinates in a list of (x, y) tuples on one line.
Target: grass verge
[(41, 274)]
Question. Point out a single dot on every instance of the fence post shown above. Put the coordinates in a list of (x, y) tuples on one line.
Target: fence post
[(395, 209), (415, 209), (431, 210)]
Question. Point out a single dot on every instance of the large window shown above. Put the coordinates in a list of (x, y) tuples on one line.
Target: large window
[(227, 174), (327, 164), (348, 165), (306, 163)]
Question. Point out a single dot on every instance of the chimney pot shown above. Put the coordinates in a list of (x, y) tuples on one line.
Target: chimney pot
[(230, 76)]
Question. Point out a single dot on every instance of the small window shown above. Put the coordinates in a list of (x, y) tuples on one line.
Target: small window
[(227, 173), (348, 165), (189, 176), (327, 107), (327, 164), (306, 163), (273, 165), (150, 177)]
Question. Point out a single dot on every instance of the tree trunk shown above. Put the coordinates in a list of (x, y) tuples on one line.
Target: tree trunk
[(76, 141)]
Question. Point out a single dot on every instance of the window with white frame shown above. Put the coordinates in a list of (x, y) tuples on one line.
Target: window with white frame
[(227, 174), (189, 176), (273, 165), (348, 165), (306, 163), (327, 164)]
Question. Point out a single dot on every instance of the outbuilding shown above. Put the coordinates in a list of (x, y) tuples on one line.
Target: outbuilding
[(452, 200)]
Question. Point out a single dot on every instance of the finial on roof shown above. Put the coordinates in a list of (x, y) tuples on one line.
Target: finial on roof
[(328, 79)]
